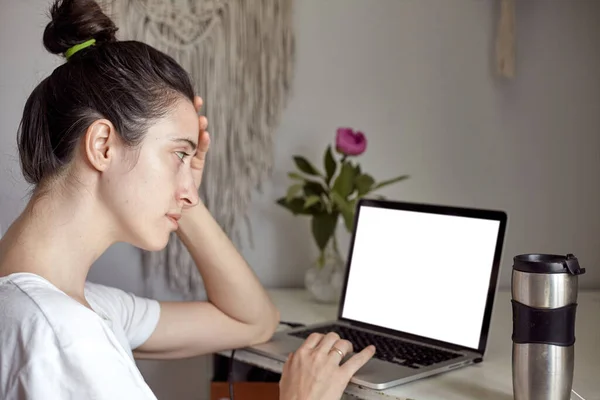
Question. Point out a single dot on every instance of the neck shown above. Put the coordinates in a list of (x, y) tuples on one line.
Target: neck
[(58, 236)]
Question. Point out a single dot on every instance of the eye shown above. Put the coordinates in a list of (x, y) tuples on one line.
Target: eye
[(182, 155)]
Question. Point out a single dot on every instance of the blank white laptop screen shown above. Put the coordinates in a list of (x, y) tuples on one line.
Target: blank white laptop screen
[(421, 273)]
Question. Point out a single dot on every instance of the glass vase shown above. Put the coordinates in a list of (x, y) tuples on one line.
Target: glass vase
[(325, 278)]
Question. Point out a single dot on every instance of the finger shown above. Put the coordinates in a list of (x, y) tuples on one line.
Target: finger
[(288, 362), (198, 102), (327, 342), (203, 144), (342, 345), (355, 362), (203, 122), (312, 341)]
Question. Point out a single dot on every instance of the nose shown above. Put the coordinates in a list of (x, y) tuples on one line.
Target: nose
[(187, 194)]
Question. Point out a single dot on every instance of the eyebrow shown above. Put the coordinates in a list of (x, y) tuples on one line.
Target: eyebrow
[(192, 144)]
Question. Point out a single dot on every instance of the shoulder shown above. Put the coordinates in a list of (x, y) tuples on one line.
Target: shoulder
[(110, 300), (137, 315), (31, 307), (37, 323), (18, 307), (118, 304)]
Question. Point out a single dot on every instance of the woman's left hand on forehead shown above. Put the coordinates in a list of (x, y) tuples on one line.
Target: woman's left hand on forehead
[(198, 160)]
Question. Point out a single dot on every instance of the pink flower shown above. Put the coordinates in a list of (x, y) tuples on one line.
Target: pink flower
[(349, 142)]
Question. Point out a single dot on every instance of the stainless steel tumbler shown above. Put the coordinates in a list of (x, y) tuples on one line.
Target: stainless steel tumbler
[(544, 301)]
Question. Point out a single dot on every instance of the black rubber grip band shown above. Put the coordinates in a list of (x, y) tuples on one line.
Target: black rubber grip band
[(554, 326)]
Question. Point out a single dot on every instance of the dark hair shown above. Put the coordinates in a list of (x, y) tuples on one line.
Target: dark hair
[(129, 83)]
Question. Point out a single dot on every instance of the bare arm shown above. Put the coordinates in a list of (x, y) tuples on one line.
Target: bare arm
[(238, 312)]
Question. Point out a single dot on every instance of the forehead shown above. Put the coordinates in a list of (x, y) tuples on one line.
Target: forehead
[(180, 122)]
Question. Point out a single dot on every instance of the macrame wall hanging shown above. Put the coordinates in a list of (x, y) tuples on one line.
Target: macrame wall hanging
[(240, 55)]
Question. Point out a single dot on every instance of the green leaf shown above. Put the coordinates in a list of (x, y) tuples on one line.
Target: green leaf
[(296, 206), (323, 227), (340, 202), (346, 208), (312, 188), (353, 204), (344, 183), (364, 183), (349, 220), (293, 191), (295, 176), (330, 164), (311, 201), (390, 181), (305, 166), (327, 202)]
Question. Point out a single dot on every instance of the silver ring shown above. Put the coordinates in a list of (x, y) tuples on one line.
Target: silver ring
[(341, 353)]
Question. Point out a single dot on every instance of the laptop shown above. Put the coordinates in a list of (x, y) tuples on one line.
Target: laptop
[(420, 285)]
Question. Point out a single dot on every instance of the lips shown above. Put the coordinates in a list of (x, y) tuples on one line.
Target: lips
[(174, 218)]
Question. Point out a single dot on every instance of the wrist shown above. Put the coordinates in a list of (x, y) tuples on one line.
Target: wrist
[(191, 218)]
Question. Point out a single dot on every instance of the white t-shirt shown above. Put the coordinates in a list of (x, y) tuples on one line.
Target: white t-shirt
[(53, 347)]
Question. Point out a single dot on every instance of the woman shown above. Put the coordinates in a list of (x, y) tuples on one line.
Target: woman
[(114, 147)]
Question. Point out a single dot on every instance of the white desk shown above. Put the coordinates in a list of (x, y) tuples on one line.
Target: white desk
[(490, 380)]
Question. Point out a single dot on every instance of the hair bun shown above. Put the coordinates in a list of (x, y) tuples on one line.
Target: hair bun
[(74, 22)]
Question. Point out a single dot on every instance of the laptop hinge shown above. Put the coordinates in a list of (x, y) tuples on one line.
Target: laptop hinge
[(409, 337)]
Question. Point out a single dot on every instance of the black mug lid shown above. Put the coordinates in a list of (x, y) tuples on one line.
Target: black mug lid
[(548, 264)]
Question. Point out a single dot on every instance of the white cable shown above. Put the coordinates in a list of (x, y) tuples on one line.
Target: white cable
[(577, 394)]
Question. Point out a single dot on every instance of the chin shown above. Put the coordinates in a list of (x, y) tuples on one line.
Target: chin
[(154, 246), (152, 242), (159, 244)]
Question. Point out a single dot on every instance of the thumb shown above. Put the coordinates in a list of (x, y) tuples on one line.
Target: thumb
[(357, 361)]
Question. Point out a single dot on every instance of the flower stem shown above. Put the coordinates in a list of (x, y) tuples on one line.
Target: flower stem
[(335, 244)]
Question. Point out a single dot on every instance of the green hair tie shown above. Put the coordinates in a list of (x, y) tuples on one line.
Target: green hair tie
[(69, 53)]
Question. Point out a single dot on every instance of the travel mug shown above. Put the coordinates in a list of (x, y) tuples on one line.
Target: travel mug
[(544, 301)]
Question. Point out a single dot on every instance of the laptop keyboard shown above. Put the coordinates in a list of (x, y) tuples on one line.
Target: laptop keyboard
[(396, 351)]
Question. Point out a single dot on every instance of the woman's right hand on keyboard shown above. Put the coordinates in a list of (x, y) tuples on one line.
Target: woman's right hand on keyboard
[(314, 372)]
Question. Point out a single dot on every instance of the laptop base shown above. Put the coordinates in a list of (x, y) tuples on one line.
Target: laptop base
[(375, 374)]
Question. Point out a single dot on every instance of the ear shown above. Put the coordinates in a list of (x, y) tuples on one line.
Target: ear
[(99, 144)]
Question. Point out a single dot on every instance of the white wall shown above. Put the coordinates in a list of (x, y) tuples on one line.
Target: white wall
[(417, 77)]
